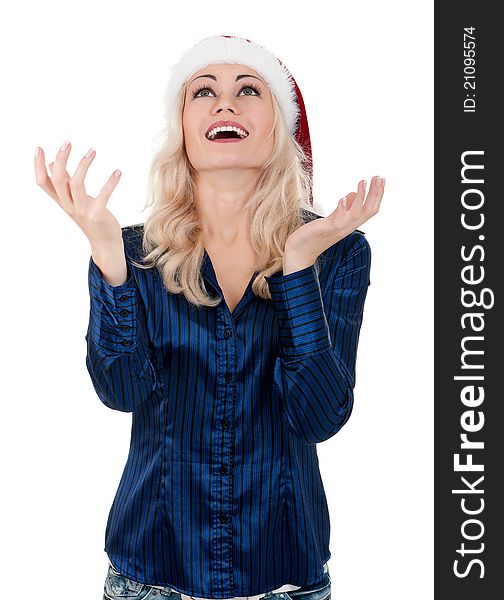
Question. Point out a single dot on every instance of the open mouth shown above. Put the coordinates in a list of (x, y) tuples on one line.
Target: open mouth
[(229, 133)]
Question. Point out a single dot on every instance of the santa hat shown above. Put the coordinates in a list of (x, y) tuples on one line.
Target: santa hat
[(236, 50)]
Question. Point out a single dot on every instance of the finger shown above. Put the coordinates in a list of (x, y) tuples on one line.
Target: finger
[(41, 176), (375, 195), (350, 199), (108, 188), (339, 207), (355, 210), (60, 177), (77, 182), (361, 192), (343, 204)]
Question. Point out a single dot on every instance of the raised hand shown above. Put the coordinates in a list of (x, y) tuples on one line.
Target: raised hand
[(90, 214), (311, 239)]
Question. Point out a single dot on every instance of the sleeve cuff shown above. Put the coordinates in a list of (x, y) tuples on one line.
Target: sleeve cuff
[(298, 306), (113, 311)]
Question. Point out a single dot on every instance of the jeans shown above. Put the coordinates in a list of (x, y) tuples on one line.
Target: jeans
[(119, 587)]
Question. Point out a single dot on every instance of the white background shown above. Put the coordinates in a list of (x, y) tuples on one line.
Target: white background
[(94, 72)]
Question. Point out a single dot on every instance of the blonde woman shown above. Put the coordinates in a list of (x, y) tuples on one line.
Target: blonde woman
[(227, 324)]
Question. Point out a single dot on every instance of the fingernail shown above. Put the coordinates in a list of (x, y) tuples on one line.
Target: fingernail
[(89, 152), (117, 173), (37, 151), (364, 185), (65, 145)]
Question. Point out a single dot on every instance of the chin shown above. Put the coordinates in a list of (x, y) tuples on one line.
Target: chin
[(226, 162)]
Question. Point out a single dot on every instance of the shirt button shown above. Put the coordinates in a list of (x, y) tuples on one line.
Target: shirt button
[(227, 333), (225, 423), (228, 376), (223, 470), (126, 343), (125, 327), (123, 298), (124, 313), (223, 518)]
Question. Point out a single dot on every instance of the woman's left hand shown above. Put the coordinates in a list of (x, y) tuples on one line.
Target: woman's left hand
[(311, 239)]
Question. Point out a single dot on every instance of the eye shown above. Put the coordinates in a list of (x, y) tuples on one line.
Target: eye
[(201, 89), (251, 86)]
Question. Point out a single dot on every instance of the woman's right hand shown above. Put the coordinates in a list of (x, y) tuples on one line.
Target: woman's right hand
[(91, 214)]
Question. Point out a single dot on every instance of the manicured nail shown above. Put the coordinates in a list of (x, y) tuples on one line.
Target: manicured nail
[(65, 145), (89, 152), (117, 173)]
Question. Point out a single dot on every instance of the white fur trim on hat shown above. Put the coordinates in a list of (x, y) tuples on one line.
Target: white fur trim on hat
[(220, 49)]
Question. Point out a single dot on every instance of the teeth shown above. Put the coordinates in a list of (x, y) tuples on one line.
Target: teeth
[(213, 132)]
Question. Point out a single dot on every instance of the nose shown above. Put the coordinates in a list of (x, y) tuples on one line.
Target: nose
[(223, 103)]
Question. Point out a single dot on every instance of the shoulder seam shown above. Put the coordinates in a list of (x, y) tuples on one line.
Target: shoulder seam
[(132, 239), (135, 227)]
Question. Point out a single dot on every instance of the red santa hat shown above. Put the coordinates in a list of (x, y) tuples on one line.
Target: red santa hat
[(236, 50)]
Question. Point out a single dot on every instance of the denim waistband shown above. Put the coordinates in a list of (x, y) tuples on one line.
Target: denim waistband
[(170, 590)]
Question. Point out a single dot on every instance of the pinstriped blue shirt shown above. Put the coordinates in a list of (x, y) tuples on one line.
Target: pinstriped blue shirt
[(221, 493)]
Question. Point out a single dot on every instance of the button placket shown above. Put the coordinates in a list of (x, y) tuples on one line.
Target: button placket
[(222, 485)]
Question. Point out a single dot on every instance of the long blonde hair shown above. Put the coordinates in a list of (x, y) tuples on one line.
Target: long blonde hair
[(172, 239)]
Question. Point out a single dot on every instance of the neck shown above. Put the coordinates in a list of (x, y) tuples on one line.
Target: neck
[(220, 200)]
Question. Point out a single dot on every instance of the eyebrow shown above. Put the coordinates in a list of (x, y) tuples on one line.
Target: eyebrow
[(238, 77)]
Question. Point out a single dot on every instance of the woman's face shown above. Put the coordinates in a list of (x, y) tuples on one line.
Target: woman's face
[(228, 92)]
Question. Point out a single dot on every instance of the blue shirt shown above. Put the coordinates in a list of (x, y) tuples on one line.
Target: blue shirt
[(221, 494)]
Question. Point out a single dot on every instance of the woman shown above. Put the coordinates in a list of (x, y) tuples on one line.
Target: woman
[(227, 325)]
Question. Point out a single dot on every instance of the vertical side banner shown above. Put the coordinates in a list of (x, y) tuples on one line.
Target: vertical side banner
[(468, 272)]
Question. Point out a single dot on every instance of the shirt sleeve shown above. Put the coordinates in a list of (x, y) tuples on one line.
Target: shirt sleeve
[(318, 337), (119, 359)]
